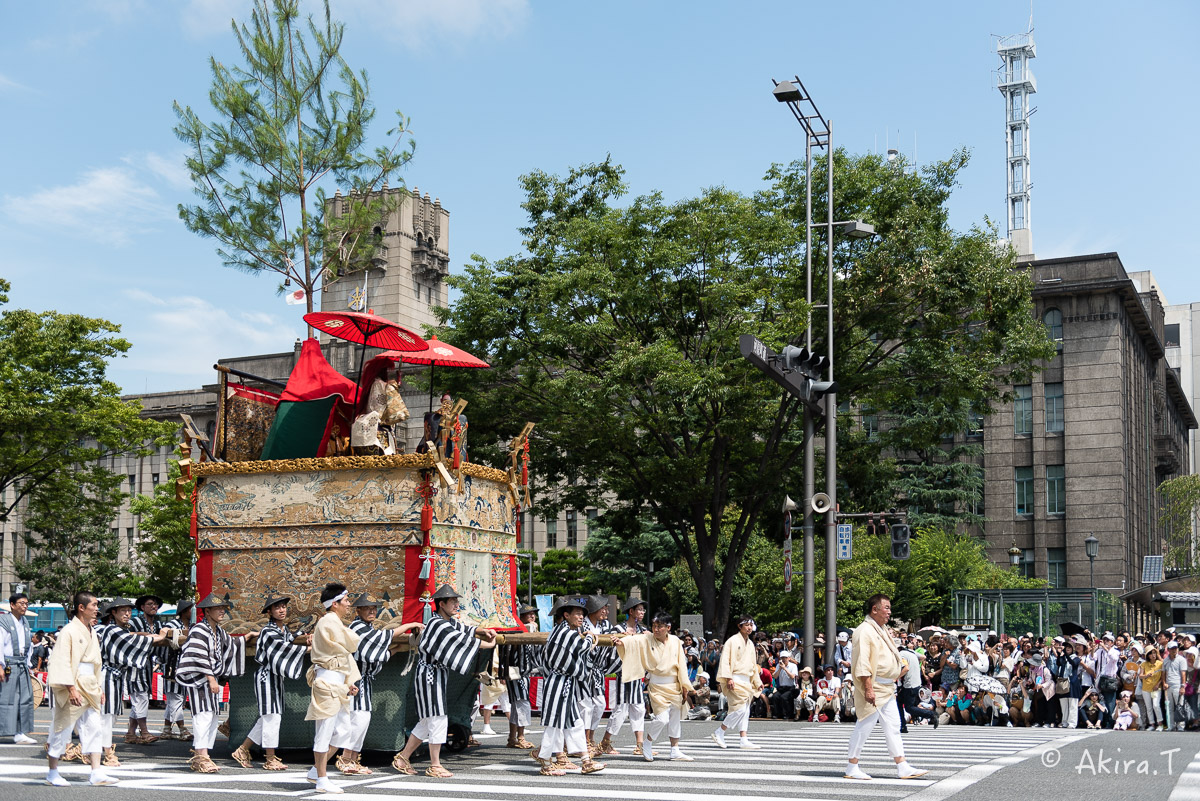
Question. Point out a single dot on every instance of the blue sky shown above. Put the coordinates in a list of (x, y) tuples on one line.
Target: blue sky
[(679, 93)]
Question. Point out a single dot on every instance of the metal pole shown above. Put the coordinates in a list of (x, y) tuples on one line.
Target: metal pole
[(830, 423), (810, 610)]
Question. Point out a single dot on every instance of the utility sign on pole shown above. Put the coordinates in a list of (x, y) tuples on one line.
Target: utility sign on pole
[(787, 552), (845, 549)]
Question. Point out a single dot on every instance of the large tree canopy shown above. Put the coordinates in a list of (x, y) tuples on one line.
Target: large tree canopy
[(616, 331)]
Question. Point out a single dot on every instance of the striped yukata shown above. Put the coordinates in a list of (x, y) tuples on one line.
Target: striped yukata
[(173, 691), (446, 645), (122, 653), (630, 702), (592, 690), (566, 660), (208, 651), (142, 680), (525, 660), (278, 659), (372, 655)]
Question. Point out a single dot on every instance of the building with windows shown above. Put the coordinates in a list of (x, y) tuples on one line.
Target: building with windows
[(1083, 447)]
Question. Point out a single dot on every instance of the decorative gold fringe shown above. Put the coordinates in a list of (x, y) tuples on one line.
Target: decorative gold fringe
[(412, 461)]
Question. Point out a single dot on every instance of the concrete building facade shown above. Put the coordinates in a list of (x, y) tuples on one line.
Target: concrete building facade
[(1084, 446)]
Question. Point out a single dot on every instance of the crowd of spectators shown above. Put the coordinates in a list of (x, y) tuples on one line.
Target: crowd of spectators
[(1120, 681)]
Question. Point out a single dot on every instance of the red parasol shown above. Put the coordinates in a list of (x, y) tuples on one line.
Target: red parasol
[(439, 354), (366, 330)]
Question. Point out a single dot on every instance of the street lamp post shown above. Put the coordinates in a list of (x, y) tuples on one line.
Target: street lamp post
[(1091, 546)]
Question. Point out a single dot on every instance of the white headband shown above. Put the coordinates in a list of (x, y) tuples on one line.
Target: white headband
[(329, 604)]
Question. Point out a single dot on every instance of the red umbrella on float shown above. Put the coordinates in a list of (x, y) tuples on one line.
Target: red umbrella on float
[(367, 329), (439, 354)]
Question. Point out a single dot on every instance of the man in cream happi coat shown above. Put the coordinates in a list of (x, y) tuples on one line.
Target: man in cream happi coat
[(658, 654), (876, 665), (332, 676), (74, 679), (740, 682)]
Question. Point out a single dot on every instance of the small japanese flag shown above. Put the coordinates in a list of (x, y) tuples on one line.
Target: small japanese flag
[(296, 298)]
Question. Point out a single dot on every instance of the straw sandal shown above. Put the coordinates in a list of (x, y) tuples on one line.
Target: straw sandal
[(73, 752), (606, 748), (438, 772), (110, 758), (202, 764), (362, 769), (224, 728), (403, 765), (274, 763), (523, 743), (184, 734), (592, 766), (241, 755), (548, 769)]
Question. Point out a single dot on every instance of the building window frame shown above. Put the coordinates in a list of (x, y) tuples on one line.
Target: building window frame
[(1023, 484), (1022, 410), (572, 528), (551, 533), (1056, 567), (1056, 490), (1053, 320), (1055, 417)]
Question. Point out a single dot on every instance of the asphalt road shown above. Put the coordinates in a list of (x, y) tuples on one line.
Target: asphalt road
[(797, 762)]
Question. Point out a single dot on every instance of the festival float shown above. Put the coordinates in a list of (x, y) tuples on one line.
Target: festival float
[(311, 484)]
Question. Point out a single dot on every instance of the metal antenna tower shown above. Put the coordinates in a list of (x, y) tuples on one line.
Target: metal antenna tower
[(1015, 80)]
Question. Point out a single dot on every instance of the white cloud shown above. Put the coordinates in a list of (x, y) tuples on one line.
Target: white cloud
[(420, 24), (175, 335), (171, 168), (203, 18), (109, 204), (7, 84)]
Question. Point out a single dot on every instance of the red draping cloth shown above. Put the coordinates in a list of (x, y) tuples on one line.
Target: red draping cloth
[(313, 378)]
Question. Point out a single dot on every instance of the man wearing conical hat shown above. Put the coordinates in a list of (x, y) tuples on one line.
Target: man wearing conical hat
[(604, 661), (446, 645), (147, 622), (517, 664), (209, 658), (123, 653), (630, 703), (280, 655), (173, 691), (374, 650)]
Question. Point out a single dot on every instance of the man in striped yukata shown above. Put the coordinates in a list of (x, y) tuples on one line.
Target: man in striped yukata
[(446, 645), (210, 657), (374, 650), (630, 702), (517, 664), (592, 703), (173, 691), (123, 652), (142, 680), (280, 655), (566, 662)]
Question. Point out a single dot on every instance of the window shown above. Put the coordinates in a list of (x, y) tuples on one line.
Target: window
[(416, 289), (1023, 409), (1056, 483), (154, 479), (1171, 335), (572, 528), (1024, 482), (592, 514), (551, 533), (133, 480), (1025, 566), (1054, 408), (429, 294), (1056, 567), (129, 541), (974, 424), (1054, 326), (870, 422)]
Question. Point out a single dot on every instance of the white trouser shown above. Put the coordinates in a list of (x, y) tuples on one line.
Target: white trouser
[(90, 726), (266, 730), (570, 740), (1070, 712), (351, 738), (1151, 714), (593, 711), (432, 729), (636, 713), (891, 730), (329, 729), (109, 722), (737, 720), (139, 704), (830, 704), (1174, 697), (174, 708), (667, 719), (521, 712), (204, 729)]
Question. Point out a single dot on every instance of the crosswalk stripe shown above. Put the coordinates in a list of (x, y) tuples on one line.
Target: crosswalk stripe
[(578, 791), (1188, 786), (715, 774)]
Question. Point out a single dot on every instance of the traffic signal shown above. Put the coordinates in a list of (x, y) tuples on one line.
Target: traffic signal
[(810, 366), (900, 535)]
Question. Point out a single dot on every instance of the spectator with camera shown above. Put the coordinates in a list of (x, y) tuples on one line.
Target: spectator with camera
[(785, 679)]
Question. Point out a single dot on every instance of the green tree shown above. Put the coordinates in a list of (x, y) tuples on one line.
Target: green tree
[(293, 115), (166, 549), (58, 410), (67, 522), (621, 552), (617, 329), (562, 571), (1178, 513)]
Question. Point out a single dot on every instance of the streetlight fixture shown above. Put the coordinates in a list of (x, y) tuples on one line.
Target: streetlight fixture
[(1091, 547), (1014, 554)]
